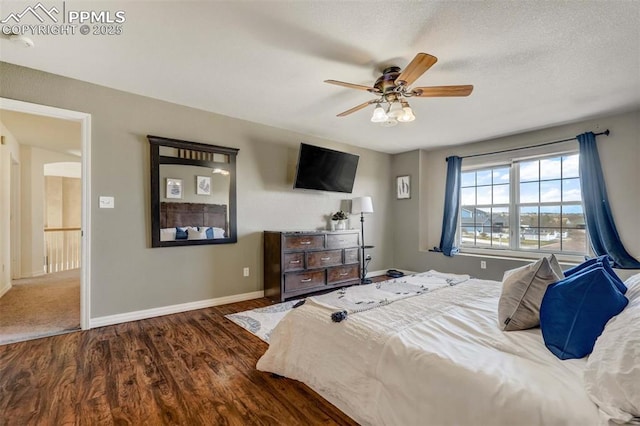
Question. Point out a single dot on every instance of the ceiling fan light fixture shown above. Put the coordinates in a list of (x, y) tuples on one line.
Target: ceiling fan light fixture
[(407, 114), (395, 110), (379, 116)]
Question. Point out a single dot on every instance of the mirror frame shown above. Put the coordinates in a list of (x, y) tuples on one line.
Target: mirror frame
[(155, 142)]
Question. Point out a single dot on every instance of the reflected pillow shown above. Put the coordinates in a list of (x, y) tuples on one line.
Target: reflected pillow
[(575, 310), (212, 232), (194, 234), (522, 292), (181, 233), (168, 234)]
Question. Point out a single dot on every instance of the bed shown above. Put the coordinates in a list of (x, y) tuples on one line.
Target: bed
[(434, 358), (192, 221)]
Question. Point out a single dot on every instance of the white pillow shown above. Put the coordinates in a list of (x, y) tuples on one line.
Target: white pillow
[(218, 232), (612, 373), (194, 234), (168, 234)]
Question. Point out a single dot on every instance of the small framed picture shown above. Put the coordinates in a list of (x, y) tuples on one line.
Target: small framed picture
[(174, 188), (203, 185), (403, 187)]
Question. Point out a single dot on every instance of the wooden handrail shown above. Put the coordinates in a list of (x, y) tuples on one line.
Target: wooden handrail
[(61, 229)]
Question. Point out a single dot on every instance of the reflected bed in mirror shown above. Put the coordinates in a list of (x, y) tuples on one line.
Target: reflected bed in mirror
[(193, 193)]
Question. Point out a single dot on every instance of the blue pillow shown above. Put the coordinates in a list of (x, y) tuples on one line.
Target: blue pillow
[(587, 263), (575, 310), (602, 261), (209, 233), (181, 234)]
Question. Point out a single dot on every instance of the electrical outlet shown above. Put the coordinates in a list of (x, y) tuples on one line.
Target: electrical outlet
[(245, 271), (483, 264)]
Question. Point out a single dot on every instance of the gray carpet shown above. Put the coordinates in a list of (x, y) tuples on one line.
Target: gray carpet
[(41, 306)]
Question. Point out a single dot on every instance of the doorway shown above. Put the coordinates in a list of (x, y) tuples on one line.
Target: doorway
[(26, 265)]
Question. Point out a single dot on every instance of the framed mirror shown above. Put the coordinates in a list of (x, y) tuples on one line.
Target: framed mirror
[(193, 193)]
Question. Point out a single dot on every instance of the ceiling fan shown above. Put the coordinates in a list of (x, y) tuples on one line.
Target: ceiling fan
[(392, 88)]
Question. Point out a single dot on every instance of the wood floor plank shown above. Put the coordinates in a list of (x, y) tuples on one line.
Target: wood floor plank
[(193, 368)]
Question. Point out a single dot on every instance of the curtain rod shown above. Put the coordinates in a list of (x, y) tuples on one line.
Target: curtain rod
[(606, 133)]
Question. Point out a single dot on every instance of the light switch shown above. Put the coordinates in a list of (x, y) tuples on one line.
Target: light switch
[(107, 202)]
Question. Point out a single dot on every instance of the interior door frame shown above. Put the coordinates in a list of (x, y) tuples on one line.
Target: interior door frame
[(84, 120)]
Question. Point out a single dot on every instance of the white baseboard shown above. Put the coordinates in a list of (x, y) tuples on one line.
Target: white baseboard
[(5, 289), (172, 309)]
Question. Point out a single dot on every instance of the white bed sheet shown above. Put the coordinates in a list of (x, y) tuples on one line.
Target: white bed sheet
[(432, 359)]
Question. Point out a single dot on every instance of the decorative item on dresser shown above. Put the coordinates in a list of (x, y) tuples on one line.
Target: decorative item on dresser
[(298, 263)]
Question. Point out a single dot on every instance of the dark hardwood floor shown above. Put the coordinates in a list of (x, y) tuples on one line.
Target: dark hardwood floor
[(193, 368)]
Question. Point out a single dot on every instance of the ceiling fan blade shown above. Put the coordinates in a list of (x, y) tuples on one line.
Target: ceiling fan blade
[(437, 91), (356, 108), (352, 86), (418, 66)]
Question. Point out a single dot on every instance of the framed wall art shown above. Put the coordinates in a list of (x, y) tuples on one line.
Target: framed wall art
[(203, 185), (174, 188), (403, 187)]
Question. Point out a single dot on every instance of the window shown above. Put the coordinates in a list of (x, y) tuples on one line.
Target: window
[(533, 205)]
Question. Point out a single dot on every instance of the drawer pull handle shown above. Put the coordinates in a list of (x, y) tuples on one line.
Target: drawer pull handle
[(306, 280), (294, 261), (325, 258), (306, 243), (344, 273)]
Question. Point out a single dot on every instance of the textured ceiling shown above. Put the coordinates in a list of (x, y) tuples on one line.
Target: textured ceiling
[(533, 64)]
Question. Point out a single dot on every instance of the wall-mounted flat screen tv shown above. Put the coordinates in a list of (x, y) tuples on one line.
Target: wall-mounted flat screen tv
[(325, 169)]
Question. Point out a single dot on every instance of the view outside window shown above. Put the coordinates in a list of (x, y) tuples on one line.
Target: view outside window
[(541, 211)]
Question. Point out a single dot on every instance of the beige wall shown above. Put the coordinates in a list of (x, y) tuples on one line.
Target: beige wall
[(32, 202), (126, 274), (420, 220), (63, 202), (8, 150)]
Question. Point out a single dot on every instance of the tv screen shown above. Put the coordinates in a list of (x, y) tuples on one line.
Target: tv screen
[(325, 169)]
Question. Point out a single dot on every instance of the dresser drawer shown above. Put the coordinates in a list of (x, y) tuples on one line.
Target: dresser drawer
[(340, 274), (303, 242), (321, 259), (301, 280), (294, 261), (352, 256), (342, 240)]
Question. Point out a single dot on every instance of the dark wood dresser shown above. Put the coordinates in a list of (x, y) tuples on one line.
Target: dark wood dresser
[(298, 263)]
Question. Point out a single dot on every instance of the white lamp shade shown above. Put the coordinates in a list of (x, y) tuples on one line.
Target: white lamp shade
[(379, 115), (395, 110), (362, 205), (407, 115)]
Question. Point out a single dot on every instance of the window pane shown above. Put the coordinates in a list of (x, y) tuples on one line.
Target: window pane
[(550, 217), (468, 196), (529, 192), (483, 177), (574, 240), (468, 179), (571, 190), (550, 168), (528, 217), (573, 217), (570, 166), (501, 175), (501, 194), (550, 191), (529, 171), (500, 227), (484, 195)]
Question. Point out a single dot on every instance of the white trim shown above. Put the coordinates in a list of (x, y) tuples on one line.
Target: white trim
[(85, 129), (172, 309), (6, 288)]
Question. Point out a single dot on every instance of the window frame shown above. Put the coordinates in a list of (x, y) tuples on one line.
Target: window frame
[(514, 250)]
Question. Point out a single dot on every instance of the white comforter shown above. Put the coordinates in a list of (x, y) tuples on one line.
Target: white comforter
[(433, 359)]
